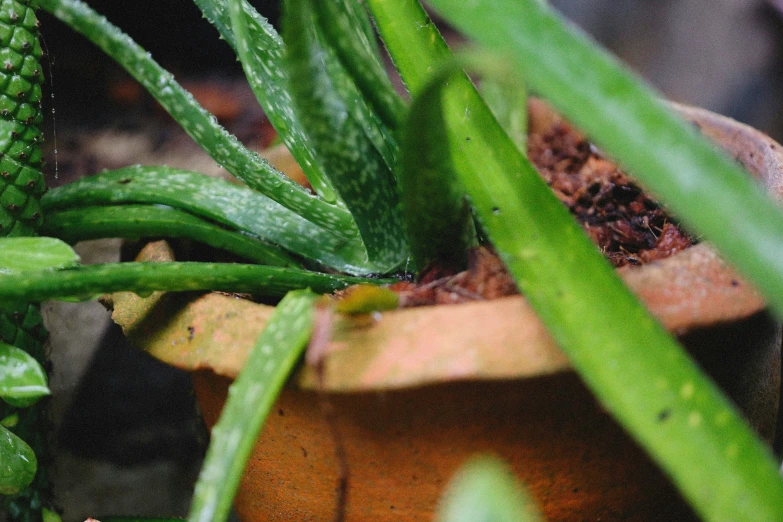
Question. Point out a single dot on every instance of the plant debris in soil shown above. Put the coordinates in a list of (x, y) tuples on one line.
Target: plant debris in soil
[(626, 224)]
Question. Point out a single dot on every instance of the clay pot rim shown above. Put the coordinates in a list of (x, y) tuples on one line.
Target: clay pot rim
[(413, 347)]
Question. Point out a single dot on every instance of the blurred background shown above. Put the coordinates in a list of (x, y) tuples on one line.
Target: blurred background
[(128, 441), (723, 55)]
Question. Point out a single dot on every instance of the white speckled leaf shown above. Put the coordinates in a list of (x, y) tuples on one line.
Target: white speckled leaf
[(231, 205), (224, 148), (347, 28), (325, 100), (251, 397), (260, 50)]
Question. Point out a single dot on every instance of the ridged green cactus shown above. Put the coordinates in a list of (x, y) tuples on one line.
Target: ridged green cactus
[(21, 181), (21, 187)]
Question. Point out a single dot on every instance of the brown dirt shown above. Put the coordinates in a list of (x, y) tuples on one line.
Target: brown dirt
[(626, 224)]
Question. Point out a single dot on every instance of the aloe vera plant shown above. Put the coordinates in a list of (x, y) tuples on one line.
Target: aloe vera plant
[(400, 185)]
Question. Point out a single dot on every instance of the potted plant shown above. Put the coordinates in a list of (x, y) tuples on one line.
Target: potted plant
[(446, 146), (390, 376)]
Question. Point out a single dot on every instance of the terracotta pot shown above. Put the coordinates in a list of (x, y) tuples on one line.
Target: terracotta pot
[(418, 391)]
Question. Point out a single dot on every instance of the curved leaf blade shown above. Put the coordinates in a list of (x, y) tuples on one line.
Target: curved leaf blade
[(437, 214), (17, 463), (22, 379), (345, 85), (224, 148), (637, 373), (358, 170), (344, 24), (230, 205), (251, 397), (261, 52), (709, 192), (139, 221)]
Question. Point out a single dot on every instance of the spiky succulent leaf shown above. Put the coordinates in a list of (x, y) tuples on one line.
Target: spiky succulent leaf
[(344, 24), (200, 125), (89, 281), (233, 206), (141, 221), (325, 99), (251, 396), (261, 55)]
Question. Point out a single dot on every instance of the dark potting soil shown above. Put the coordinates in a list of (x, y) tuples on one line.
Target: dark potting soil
[(626, 224)]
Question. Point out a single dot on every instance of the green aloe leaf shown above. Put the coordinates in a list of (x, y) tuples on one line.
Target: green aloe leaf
[(87, 282), (359, 172), (224, 148), (140, 221), (437, 214), (708, 191), (22, 380), (412, 40), (261, 51), (485, 490), (347, 87), (232, 206), (251, 397), (262, 61), (344, 24), (17, 463), (640, 374), (35, 253), (337, 89)]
